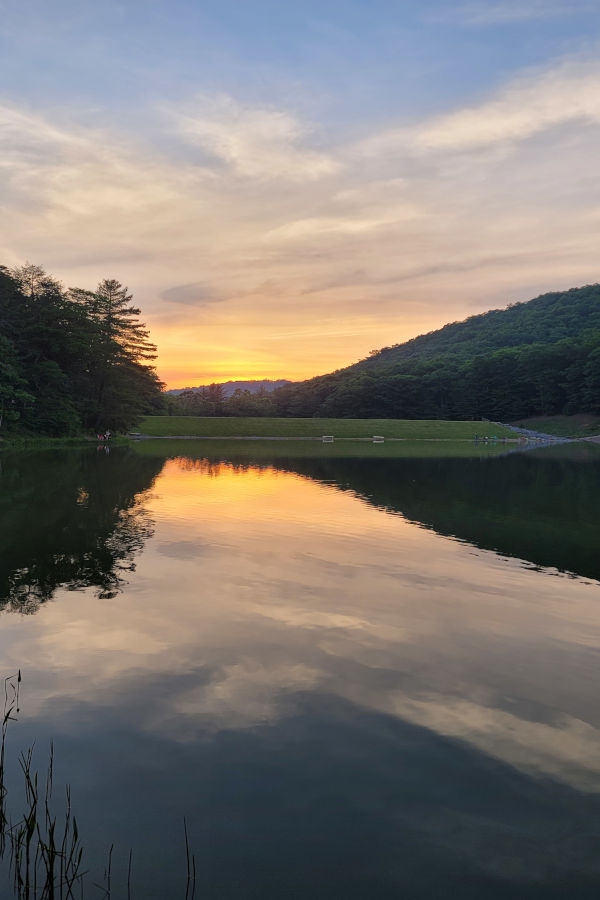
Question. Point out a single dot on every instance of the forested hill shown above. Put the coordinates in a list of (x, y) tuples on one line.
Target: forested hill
[(536, 358), (547, 319)]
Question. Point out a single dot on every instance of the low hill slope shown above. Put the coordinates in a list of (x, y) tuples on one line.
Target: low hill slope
[(546, 319), (531, 359)]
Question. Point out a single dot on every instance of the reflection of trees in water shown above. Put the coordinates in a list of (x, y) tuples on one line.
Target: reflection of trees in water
[(75, 519), (542, 507), (203, 466), (70, 519), (213, 468)]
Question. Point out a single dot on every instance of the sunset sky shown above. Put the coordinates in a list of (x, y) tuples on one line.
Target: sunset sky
[(285, 186)]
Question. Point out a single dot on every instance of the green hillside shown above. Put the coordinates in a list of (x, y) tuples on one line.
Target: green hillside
[(546, 320), (540, 358)]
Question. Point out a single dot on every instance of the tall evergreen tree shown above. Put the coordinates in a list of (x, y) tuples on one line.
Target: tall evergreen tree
[(123, 382), (123, 334)]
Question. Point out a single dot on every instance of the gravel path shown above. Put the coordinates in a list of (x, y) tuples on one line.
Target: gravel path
[(537, 435)]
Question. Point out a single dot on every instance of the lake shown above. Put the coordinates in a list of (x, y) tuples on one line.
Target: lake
[(358, 671)]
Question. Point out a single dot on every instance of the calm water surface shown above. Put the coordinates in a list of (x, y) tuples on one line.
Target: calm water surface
[(358, 672)]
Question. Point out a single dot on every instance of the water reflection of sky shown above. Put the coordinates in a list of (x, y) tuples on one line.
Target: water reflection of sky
[(280, 637)]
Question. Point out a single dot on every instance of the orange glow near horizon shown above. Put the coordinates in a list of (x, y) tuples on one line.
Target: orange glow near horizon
[(174, 380), (186, 368), (192, 355)]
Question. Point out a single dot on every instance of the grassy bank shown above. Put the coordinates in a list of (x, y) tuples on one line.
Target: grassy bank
[(581, 425), (268, 451), (411, 430), (14, 442)]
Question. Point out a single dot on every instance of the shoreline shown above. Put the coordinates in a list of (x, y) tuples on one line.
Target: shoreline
[(258, 437)]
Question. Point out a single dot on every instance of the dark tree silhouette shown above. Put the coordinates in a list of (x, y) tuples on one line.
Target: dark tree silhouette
[(71, 360)]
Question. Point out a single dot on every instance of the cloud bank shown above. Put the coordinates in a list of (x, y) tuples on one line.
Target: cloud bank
[(262, 245)]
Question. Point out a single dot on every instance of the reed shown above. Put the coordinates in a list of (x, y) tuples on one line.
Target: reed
[(43, 846), (12, 685), (46, 855)]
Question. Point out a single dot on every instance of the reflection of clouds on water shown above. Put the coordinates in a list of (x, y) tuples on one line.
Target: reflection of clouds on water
[(181, 549), (307, 589), (288, 653), (267, 759)]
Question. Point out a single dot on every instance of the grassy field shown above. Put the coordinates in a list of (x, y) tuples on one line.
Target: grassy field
[(412, 430), (268, 451), (582, 425)]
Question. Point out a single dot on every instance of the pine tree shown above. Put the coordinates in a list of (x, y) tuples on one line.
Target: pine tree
[(124, 383), (124, 336)]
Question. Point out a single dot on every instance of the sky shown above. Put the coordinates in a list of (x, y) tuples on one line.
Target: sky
[(285, 186)]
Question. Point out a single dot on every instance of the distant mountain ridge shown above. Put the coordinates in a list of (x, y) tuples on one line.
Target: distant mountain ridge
[(229, 387)]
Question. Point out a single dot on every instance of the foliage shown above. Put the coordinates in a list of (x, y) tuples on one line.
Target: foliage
[(71, 360), (12, 392), (544, 320), (211, 401), (535, 358)]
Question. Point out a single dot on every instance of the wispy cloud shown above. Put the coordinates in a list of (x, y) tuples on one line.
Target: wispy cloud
[(508, 11), (62, 174), (196, 294), (253, 141), (567, 93)]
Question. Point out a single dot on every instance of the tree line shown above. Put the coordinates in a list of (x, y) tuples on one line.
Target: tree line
[(72, 360), (536, 358), (505, 385), (211, 401)]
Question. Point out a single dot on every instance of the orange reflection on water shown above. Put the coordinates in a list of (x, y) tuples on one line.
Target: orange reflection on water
[(244, 493)]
